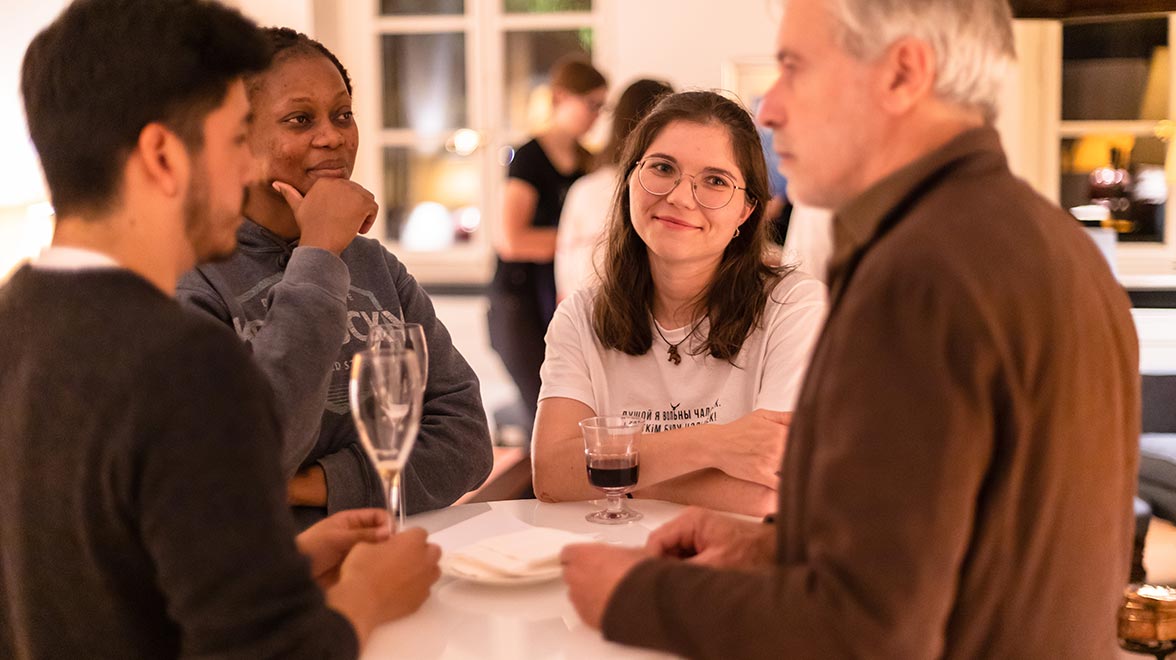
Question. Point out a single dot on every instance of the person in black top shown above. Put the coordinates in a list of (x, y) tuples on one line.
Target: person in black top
[(522, 294), (142, 509)]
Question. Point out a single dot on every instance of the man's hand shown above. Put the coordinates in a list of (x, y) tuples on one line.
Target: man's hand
[(592, 572), (712, 539), (752, 447), (381, 582), (332, 212), (308, 487), (328, 542)]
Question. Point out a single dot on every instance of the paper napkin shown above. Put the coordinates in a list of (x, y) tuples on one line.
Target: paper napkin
[(526, 552)]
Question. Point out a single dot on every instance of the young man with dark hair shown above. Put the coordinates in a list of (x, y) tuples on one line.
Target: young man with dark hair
[(141, 503)]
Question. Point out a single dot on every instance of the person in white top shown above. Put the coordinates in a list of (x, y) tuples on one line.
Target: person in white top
[(585, 209), (690, 328), (809, 243)]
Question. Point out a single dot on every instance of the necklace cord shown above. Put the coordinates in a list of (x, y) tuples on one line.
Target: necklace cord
[(672, 353)]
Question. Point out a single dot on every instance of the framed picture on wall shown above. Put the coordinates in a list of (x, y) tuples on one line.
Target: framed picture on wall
[(804, 233), (749, 79)]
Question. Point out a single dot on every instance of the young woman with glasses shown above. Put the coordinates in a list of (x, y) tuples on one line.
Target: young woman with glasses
[(690, 329)]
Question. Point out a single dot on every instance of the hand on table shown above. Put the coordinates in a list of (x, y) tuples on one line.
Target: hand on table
[(308, 487), (382, 582), (328, 542), (592, 572), (331, 213), (713, 539), (753, 447)]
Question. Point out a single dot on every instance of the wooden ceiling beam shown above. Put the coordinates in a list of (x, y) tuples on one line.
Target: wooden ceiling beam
[(1076, 8)]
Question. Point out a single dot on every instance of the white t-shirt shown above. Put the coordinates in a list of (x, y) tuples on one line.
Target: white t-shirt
[(581, 224), (57, 257), (700, 390)]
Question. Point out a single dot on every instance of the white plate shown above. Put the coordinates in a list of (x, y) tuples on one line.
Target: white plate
[(452, 569)]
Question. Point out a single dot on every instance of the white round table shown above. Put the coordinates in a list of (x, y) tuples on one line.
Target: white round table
[(467, 620)]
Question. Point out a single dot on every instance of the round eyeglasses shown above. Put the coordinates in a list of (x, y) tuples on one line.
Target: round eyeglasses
[(712, 189)]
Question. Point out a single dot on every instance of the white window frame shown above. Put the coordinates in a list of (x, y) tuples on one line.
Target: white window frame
[(352, 29)]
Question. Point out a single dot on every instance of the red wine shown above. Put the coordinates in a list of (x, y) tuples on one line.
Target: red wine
[(613, 471)]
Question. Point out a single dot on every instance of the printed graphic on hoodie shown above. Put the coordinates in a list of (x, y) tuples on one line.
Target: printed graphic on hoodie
[(363, 313)]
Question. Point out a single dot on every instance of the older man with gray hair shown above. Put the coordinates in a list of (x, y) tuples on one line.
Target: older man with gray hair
[(960, 468)]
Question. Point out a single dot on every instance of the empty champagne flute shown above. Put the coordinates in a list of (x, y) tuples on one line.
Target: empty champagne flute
[(386, 393), (403, 335), (612, 460), (398, 335)]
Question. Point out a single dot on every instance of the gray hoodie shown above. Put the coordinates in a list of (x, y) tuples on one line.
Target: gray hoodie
[(304, 312)]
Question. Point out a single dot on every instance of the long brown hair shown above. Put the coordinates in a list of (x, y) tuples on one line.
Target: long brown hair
[(735, 298)]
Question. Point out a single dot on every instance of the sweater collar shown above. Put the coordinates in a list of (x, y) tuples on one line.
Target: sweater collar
[(255, 238), (862, 221)]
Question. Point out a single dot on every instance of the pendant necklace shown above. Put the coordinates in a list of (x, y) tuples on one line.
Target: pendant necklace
[(673, 355)]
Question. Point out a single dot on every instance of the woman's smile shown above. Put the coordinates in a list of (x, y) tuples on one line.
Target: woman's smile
[(676, 224)]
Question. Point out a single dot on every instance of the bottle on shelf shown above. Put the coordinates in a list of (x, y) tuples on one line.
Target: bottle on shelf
[(1110, 187)]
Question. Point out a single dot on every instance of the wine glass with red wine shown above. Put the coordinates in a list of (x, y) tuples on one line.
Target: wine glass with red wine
[(610, 452)]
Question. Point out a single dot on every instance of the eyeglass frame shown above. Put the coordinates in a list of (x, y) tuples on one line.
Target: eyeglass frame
[(637, 167)]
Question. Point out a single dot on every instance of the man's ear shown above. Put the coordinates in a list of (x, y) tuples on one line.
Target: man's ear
[(165, 158), (908, 74)]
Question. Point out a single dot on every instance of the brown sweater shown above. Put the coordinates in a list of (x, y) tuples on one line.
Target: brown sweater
[(959, 474)]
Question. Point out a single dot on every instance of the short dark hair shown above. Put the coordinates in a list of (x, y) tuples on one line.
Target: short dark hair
[(285, 42), (575, 74), (735, 299), (104, 69)]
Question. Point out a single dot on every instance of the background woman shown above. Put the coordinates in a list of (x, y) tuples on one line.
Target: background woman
[(522, 294), (585, 210), (304, 291), (690, 328)]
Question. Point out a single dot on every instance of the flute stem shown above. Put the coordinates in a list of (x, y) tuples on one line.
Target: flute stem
[(395, 513)]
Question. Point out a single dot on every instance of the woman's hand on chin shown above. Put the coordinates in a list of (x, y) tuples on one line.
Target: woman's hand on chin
[(331, 213)]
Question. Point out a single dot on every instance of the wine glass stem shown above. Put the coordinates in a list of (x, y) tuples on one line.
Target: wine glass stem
[(395, 512), (616, 505), (403, 506)]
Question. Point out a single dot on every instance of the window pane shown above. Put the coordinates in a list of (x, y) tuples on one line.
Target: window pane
[(431, 198), (529, 56), (421, 7), (424, 81), (537, 6), (1115, 70), (1123, 173)]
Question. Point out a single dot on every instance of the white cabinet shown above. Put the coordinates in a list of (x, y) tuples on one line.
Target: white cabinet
[(1087, 93)]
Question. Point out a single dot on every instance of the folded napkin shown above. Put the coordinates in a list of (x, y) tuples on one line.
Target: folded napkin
[(518, 554)]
